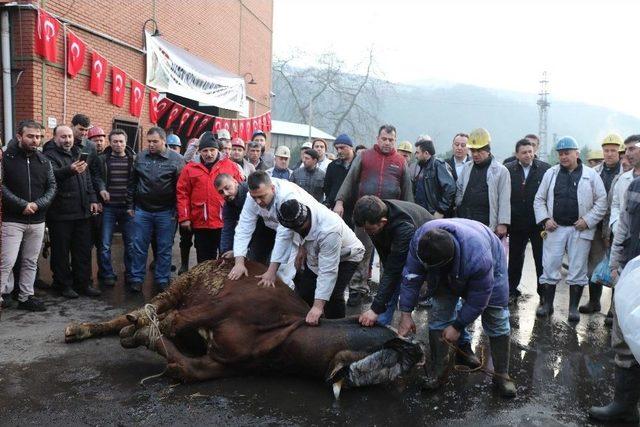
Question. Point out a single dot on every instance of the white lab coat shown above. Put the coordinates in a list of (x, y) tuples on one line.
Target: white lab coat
[(617, 201)]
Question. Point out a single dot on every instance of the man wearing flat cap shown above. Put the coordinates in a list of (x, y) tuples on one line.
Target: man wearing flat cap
[(326, 243)]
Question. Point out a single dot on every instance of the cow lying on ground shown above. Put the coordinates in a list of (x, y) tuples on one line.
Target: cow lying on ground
[(208, 326)]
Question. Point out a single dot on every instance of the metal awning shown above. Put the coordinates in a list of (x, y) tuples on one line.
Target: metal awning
[(172, 69)]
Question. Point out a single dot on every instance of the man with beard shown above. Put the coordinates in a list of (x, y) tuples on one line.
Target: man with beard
[(336, 173), (433, 186)]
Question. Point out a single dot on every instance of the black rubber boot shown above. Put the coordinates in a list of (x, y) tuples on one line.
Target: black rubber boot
[(68, 292), (469, 358), (540, 291), (441, 362), (549, 293), (593, 306), (500, 352), (608, 321), (575, 293), (184, 260), (624, 408)]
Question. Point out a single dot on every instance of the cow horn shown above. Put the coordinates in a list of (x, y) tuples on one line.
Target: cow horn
[(337, 387)]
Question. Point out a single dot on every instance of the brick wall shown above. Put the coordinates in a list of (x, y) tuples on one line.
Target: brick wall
[(235, 35)]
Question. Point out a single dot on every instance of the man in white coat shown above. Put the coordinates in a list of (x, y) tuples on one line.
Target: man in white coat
[(570, 202), (267, 194), (329, 252)]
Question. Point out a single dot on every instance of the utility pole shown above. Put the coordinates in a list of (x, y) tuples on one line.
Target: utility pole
[(543, 109)]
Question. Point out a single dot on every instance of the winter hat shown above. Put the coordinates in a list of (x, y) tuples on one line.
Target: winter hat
[(344, 140), (436, 248), (292, 214), (207, 140)]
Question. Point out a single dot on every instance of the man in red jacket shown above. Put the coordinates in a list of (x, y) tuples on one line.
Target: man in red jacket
[(199, 204)]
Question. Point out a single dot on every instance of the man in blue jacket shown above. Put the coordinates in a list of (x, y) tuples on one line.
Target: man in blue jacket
[(459, 258)]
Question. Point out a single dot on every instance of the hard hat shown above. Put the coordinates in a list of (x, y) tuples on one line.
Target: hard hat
[(405, 146), (567, 143), (479, 138), (238, 142), (612, 139), (283, 151), (306, 145), (95, 131), (595, 155), (224, 134), (173, 140)]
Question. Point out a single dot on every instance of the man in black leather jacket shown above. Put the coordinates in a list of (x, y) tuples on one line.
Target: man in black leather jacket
[(433, 185)]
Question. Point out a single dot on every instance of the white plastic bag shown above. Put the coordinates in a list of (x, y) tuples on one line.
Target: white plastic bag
[(627, 300)]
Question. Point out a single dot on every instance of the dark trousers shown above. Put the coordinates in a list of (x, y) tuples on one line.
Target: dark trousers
[(96, 241), (71, 239), (517, 245), (206, 241), (261, 243), (306, 288)]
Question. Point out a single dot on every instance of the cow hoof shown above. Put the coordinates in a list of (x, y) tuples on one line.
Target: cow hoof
[(76, 332), (138, 337), (127, 331)]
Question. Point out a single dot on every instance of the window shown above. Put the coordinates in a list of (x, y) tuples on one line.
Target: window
[(132, 130)]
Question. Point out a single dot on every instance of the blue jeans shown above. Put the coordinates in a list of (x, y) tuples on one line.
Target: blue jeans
[(495, 320), (163, 224), (385, 318), (110, 216)]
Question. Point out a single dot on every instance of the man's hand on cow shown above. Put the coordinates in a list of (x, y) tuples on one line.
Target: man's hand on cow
[(238, 269), (581, 224), (368, 318), (313, 316), (186, 225), (550, 225), (451, 334), (339, 208), (406, 324), (301, 258), (268, 278)]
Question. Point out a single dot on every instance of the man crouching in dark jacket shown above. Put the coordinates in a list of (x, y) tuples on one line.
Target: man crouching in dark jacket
[(68, 218)]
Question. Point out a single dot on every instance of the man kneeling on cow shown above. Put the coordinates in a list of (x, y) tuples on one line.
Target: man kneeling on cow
[(267, 195), (464, 259), (330, 253)]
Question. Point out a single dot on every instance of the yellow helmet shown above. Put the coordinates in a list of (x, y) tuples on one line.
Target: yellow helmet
[(595, 155), (613, 139), (405, 146), (479, 138)]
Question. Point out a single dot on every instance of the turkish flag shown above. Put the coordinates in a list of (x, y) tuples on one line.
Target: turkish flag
[(194, 120), (173, 115), (46, 35), (75, 54), (248, 129), (235, 128), (136, 97), (202, 125), (162, 107), (222, 124), (267, 117), (98, 73), (186, 114), (118, 77), (241, 132), (153, 106)]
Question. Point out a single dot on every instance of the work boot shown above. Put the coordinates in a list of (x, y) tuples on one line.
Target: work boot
[(575, 293), (500, 352), (32, 304), (184, 260), (608, 321), (441, 362), (593, 306), (68, 292), (7, 301), (540, 291), (548, 294), (469, 358), (88, 290), (624, 408)]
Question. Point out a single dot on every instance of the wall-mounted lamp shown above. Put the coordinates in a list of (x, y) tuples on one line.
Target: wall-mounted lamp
[(156, 31), (252, 81)]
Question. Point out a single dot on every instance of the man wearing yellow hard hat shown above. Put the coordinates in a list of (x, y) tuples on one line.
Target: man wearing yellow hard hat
[(484, 186), (405, 149), (608, 170)]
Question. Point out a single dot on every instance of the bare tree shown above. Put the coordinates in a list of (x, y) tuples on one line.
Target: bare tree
[(331, 96)]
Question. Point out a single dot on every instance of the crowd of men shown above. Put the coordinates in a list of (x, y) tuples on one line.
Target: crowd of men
[(441, 227)]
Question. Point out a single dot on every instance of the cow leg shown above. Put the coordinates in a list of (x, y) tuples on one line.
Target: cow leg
[(82, 331)]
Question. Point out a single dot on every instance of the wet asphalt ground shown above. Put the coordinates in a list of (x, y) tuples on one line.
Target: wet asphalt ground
[(560, 370)]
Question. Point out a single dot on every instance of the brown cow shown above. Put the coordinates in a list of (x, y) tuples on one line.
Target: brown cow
[(208, 326)]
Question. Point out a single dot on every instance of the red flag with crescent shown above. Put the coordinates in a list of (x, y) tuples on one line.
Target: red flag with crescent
[(46, 34), (202, 126), (118, 77), (235, 128), (136, 98), (98, 73), (173, 115), (196, 117), (76, 50), (267, 117), (184, 118), (154, 98)]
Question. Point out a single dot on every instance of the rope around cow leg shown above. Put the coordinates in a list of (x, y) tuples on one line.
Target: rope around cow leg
[(482, 368), (154, 336)]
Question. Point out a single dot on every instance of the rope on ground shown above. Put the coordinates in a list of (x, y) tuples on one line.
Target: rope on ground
[(154, 336), (481, 368)]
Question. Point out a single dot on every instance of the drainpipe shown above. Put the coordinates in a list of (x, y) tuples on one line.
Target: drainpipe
[(6, 76)]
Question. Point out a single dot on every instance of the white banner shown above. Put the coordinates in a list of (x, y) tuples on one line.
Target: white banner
[(173, 69)]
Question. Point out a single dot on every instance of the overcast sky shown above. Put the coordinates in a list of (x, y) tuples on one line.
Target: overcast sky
[(589, 48)]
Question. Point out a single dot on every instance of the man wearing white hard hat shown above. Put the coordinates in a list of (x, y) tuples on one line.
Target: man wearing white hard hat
[(281, 168)]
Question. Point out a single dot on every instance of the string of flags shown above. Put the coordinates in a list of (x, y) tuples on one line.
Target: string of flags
[(46, 34)]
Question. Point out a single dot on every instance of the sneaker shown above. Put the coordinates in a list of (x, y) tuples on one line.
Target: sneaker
[(135, 286), (7, 301), (32, 304)]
